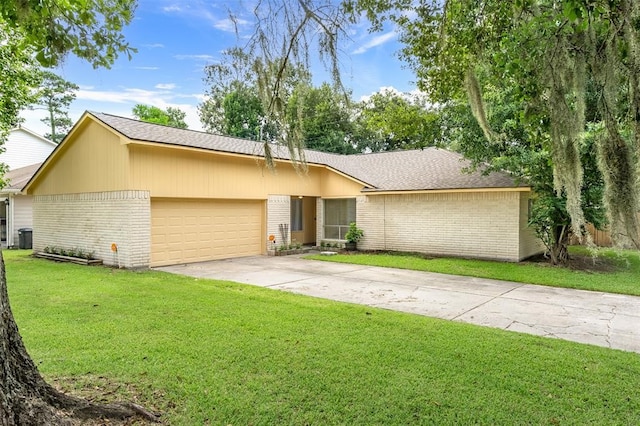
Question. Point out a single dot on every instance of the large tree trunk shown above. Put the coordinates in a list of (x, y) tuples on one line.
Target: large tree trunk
[(25, 398), (559, 252)]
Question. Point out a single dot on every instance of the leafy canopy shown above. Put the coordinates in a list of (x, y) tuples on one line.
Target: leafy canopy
[(90, 29), (171, 116), (547, 52)]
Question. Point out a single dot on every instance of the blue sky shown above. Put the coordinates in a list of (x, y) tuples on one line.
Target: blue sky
[(176, 39)]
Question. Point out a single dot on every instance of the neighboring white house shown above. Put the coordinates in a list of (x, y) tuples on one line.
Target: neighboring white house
[(24, 151)]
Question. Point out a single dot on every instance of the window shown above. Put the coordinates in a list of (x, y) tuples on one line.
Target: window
[(338, 214), (296, 214)]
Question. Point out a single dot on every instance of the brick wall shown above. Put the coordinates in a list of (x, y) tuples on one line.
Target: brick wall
[(482, 225), (94, 221), (320, 220), (278, 212)]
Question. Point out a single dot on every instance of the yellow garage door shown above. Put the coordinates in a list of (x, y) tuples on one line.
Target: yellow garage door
[(184, 231)]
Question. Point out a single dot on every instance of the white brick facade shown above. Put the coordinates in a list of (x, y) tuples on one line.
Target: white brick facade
[(319, 220), (95, 221), (487, 225), (278, 213)]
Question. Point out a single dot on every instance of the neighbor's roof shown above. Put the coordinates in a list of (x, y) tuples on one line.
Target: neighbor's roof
[(414, 170), (16, 179), (21, 128)]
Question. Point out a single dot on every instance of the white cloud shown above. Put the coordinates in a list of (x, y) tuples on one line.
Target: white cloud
[(203, 57), (172, 8), (210, 13), (32, 121), (154, 45), (229, 25), (415, 96), (147, 68), (376, 41), (121, 102), (165, 86)]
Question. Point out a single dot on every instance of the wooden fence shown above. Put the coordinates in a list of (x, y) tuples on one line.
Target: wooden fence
[(600, 238)]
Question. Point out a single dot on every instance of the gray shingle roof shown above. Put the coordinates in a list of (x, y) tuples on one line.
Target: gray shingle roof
[(16, 179), (415, 170)]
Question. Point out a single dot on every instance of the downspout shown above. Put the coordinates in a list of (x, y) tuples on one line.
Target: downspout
[(8, 205), (10, 220)]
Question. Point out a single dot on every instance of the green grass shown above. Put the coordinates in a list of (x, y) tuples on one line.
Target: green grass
[(624, 278), (211, 352)]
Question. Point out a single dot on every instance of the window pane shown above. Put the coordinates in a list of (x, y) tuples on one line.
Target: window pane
[(338, 214), (331, 232), (296, 214)]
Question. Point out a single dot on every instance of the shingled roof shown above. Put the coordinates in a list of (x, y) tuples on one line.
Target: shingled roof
[(414, 170), (17, 178)]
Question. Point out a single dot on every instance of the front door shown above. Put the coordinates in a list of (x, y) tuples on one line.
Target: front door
[(303, 220)]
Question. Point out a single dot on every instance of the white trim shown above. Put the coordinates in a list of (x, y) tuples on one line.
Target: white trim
[(32, 133)]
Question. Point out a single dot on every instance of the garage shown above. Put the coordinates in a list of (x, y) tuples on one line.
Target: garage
[(186, 231)]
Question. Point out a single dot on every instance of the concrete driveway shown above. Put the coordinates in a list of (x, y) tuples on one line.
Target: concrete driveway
[(602, 319)]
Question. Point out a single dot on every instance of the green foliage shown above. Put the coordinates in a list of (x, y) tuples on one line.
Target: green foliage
[(90, 29), (522, 151), (390, 121), (19, 77), (173, 117), (354, 234), (549, 58), (55, 95), (321, 116), (73, 252), (243, 115), (236, 104), (47, 30), (271, 357)]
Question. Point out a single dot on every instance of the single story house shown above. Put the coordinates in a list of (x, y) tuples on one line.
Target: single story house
[(24, 152), (140, 195)]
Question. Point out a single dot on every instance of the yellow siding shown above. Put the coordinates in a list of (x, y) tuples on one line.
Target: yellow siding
[(170, 173), (92, 160), (336, 185)]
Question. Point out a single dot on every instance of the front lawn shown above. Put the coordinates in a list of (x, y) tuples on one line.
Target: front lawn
[(611, 271), (212, 352)]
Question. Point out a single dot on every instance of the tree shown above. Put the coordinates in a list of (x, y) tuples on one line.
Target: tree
[(232, 76), (284, 35), (525, 156), (90, 29), (50, 29), (237, 99), (55, 96), (19, 77), (393, 121), (547, 51), (173, 117), (243, 116), (323, 119)]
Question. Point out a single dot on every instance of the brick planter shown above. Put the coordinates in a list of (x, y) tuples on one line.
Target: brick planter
[(70, 259)]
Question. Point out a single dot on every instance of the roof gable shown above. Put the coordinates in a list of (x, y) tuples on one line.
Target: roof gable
[(24, 147)]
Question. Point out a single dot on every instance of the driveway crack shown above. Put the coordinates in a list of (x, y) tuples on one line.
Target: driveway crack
[(488, 301)]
